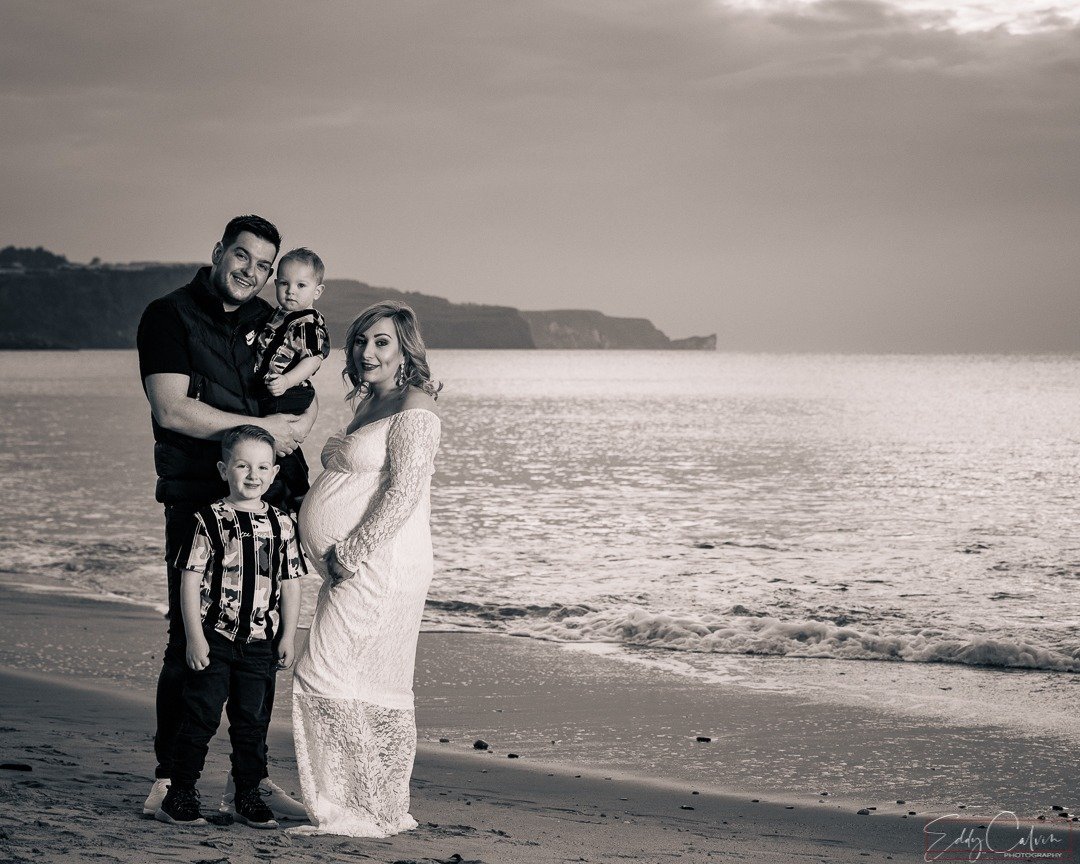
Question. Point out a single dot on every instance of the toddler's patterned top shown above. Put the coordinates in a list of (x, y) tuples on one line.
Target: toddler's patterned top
[(242, 557), (289, 337)]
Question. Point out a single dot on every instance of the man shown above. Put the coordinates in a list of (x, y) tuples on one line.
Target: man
[(197, 362)]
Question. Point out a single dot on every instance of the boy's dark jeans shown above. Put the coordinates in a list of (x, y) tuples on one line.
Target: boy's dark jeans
[(239, 674), (174, 669)]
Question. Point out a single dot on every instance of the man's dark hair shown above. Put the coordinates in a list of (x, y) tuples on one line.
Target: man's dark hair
[(247, 432), (262, 228)]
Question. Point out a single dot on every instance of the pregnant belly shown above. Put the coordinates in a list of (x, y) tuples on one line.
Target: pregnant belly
[(333, 508)]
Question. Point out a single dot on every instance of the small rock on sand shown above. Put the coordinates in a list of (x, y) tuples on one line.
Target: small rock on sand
[(480, 744), (864, 812), (703, 739), (685, 807), (444, 740), (512, 756)]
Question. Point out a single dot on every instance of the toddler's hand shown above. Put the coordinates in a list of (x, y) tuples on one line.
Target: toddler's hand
[(275, 384), (198, 653)]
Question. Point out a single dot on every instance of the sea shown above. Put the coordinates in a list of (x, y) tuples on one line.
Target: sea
[(753, 520)]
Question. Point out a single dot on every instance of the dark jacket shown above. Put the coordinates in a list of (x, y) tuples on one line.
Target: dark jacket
[(221, 355)]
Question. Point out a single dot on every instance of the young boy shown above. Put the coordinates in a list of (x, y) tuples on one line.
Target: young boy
[(291, 348), (239, 590)]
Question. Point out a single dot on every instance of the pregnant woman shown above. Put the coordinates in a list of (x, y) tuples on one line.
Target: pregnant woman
[(365, 525)]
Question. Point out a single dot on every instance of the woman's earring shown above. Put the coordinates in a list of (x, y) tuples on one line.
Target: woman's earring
[(400, 377)]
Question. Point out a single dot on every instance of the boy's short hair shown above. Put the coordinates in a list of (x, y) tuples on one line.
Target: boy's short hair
[(247, 432), (304, 256), (262, 228)]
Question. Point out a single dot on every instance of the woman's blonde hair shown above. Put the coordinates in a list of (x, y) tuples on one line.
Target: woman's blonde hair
[(417, 372)]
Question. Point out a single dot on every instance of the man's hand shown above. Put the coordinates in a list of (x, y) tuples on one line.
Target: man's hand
[(198, 652), (286, 652), (286, 429), (276, 384)]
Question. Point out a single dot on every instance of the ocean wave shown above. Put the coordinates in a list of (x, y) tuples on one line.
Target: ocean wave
[(130, 568), (744, 631)]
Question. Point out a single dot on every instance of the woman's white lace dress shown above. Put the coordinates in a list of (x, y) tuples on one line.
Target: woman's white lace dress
[(353, 717)]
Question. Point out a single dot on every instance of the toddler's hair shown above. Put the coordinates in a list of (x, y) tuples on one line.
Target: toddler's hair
[(304, 256), (247, 432)]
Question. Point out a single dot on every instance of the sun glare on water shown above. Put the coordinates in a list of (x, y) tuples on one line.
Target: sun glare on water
[(965, 16)]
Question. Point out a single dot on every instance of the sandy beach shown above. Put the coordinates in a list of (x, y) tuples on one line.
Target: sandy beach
[(77, 679)]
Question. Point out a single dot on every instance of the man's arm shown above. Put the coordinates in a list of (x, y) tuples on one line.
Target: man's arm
[(175, 410)]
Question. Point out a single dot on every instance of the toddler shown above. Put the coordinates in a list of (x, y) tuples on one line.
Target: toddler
[(239, 591), (290, 349)]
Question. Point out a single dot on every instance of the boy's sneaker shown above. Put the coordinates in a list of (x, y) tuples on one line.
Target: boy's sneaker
[(252, 811), (180, 807), (156, 796), (276, 798)]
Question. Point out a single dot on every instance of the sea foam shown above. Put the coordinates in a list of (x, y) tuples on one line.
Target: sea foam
[(741, 633)]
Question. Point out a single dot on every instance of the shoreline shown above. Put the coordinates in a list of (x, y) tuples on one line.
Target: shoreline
[(557, 705)]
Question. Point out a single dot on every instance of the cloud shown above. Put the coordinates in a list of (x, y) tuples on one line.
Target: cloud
[(838, 176)]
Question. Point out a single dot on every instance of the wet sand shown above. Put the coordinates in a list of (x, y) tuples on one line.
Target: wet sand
[(609, 765)]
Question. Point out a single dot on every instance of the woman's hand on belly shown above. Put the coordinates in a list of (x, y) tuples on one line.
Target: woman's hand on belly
[(338, 572)]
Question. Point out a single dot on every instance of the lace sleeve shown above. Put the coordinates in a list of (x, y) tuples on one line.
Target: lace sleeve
[(412, 440)]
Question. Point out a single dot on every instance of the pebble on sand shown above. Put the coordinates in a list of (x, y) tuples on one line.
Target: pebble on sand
[(444, 740), (685, 807), (863, 812), (512, 756), (704, 739), (480, 744)]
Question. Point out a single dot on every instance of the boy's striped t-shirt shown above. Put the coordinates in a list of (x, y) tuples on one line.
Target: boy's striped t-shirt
[(243, 557)]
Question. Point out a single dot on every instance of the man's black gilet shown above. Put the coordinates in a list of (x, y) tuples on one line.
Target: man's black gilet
[(222, 356)]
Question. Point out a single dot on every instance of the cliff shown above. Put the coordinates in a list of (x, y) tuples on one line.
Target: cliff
[(80, 307), (72, 306), (446, 324), (585, 328)]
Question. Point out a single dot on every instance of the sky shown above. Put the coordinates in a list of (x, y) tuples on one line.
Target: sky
[(793, 175)]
